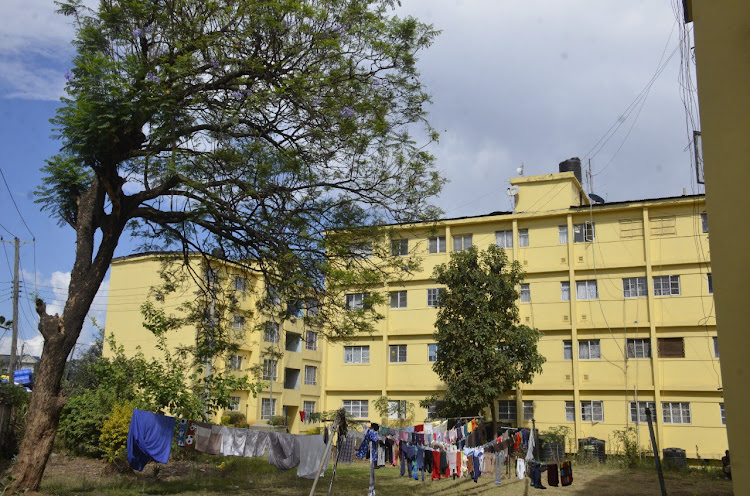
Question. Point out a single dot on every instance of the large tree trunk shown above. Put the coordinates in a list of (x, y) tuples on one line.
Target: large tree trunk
[(61, 333), (493, 411)]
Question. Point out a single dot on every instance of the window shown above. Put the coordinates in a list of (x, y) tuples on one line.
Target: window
[(433, 296), (570, 411), (437, 244), (311, 375), (363, 250), (639, 348), (675, 412), (562, 232), (399, 247), (565, 291), (634, 287), (710, 284), (671, 347), (638, 411), (271, 333), (704, 222), (523, 238), (506, 410), (568, 349), (234, 403), (528, 410), (238, 322), (589, 349), (525, 293), (592, 411), (587, 290), (309, 408), (631, 228), (585, 232), (666, 285), (504, 239), (356, 354), (294, 308), (723, 415), (397, 353), (269, 369), (431, 411), (663, 226), (356, 301), (397, 409), (240, 283), (235, 362), (211, 277), (272, 295), (313, 307), (267, 408), (311, 340), (716, 347), (398, 299), (461, 242), (432, 352), (357, 408)]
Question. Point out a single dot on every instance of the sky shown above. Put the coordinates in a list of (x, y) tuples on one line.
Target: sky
[(532, 82)]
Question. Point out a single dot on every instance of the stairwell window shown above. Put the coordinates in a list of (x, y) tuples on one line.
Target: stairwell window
[(710, 284), (592, 411), (676, 412), (437, 244), (723, 415), (311, 340), (704, 222), (666, 285), (504, 239), (562, 233), (584, 233), (565, 291), (570, 411), (568, 349), (462, 242), (525, 293), (356, 354), (587, 290), (523, 238), (589, 349), (431, 352)]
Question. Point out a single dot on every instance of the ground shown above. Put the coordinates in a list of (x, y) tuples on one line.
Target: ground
[(217, 475)]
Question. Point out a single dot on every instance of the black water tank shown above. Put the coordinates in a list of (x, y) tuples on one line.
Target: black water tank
[(592, 448), (674, 457), (572, 165)]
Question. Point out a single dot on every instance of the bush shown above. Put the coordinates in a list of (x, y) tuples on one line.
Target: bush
[(626, 440), (18, 400), (81, 421), (114, 436), (234, 419)]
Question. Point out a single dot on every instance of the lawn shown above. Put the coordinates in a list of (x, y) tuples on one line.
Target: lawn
[(218, 475)]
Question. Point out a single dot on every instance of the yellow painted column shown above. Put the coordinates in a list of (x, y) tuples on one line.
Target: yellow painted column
[(652, 330), (577, 431)]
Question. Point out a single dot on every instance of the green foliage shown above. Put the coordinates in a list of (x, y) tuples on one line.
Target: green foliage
[(278, 420), (82, 418), (482, 351), (403, 410), (627, 444), (13, 395), (114, 433), (234, 419), (556, 434)]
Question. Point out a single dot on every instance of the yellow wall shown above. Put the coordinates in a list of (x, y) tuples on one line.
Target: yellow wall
[(131, 280), (679, 249), (722, 53)]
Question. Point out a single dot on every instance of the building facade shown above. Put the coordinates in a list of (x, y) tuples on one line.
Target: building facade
[(621, 291), (293, 378)]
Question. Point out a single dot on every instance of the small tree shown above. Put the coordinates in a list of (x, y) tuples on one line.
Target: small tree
[(482, 351), (394, 413)]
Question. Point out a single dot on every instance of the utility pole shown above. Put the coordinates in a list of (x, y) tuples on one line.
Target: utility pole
[(14, 338)]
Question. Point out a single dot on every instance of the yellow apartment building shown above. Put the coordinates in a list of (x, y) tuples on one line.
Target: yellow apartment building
[(622, 292), (294, 379)]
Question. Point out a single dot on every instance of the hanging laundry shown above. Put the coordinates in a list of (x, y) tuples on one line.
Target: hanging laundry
[(520, 468), (233, 441), (552, 475), (302, 415), (530, 450), (149, 438), (202, 436), (182, 426), (190, 436), (370, 438), (499, 462), (347, 450), (566, 474), (214, 440), (283, 451), (435, 465), (311, 452)]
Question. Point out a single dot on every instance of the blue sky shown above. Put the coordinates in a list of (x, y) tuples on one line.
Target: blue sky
[(534, 82)]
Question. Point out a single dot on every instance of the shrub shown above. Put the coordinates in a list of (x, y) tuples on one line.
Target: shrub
[(627, 442), (81, 421), (114, 433), (234, 419)]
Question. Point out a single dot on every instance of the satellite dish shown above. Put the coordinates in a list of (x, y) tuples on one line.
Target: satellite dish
[(596, 198), (520, 170), (513, 190)]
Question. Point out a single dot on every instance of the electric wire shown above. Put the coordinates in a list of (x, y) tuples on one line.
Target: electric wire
[(12, 199)]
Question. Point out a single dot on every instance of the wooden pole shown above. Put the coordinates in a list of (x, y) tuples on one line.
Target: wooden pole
[(326, 454), (655, 448)]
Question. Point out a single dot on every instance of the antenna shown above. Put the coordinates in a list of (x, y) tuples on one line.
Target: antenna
[(520, 170)]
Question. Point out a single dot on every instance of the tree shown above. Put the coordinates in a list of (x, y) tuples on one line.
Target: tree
[(482, 351), (246, 126)]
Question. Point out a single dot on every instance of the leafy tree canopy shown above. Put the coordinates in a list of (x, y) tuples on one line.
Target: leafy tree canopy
[(482, 351)]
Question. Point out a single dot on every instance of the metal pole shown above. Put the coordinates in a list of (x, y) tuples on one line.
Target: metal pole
[(655, 448), (14, 338)]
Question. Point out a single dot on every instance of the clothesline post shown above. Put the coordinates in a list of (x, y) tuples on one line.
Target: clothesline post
[(326, 454)]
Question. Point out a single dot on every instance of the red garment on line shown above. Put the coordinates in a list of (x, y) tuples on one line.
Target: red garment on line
[(436, 465)]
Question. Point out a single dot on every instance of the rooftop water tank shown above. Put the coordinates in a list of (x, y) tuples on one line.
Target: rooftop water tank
[(572, 165)]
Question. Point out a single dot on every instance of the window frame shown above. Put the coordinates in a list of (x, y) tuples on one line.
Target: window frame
[(527, 405), (587, 283), (238, 322), (311, 340), (433, 294), (524, 293), (234, 404), (432, 356), (722, 413), (716, 347), (264, 404), (570, 411), (434, 244), (677, 407), (668, 289), (639, 408), (397, 299), (359, 348), (710, 283), (308, 407), (504, 239), (314, 370), (631, 228), (563, 286), (459, 242), (567, 349), (362, 413), (268, 364), (592, 411), (562, 232), (400, 247), (634, 287), (397, 411), (272, 331), (644, 344), (235, 362), (240, 283), (523, 238), (400, 354), (585, 232), (352, 305), (663, 226), (704, 222), (507, 410)]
